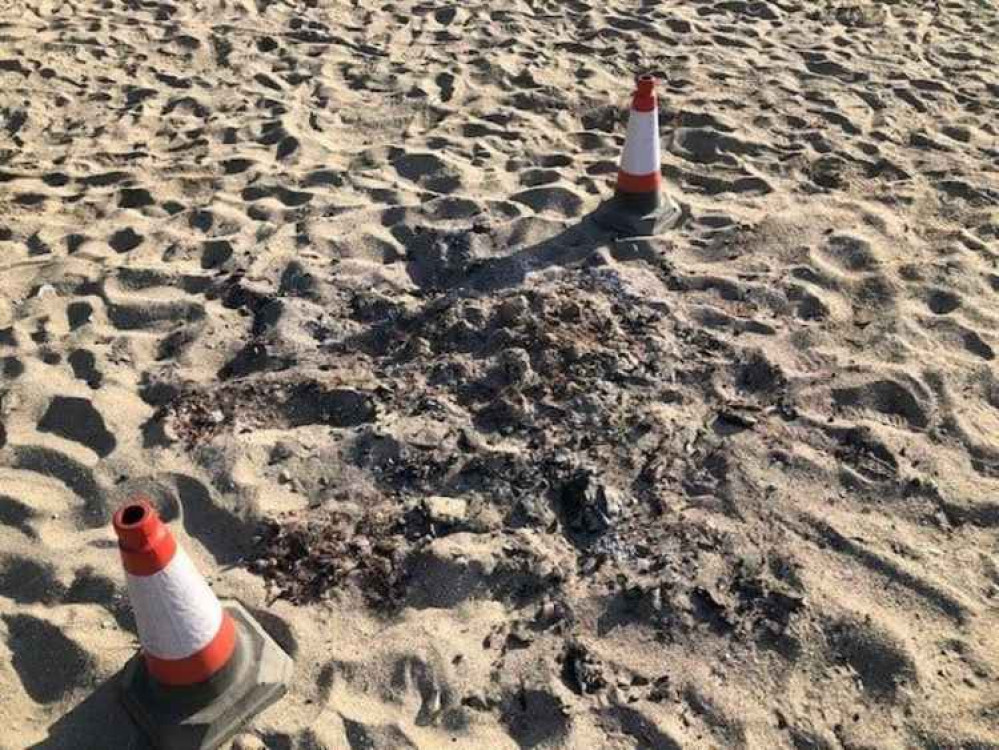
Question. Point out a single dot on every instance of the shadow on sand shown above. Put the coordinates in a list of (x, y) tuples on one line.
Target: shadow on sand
[(444, 268), (99, 722)]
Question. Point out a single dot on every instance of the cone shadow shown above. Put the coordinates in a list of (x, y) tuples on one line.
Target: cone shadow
[(573, 245), (97, 723)]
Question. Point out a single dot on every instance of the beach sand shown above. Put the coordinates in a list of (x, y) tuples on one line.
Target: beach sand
[(319, 277)]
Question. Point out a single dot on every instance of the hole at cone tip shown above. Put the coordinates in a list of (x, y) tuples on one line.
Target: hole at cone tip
[(646, 85), (132, 515)]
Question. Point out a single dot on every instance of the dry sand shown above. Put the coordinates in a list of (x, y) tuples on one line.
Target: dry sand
[(327, 262)]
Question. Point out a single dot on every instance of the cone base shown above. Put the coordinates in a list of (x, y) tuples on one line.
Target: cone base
[(199, 717), (620, 216)]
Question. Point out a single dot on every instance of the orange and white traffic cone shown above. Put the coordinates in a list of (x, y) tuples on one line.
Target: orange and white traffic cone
[(639, 207), (205, 668)]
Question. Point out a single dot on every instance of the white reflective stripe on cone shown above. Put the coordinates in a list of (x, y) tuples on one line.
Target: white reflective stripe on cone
[(177, 614), (641, 146)]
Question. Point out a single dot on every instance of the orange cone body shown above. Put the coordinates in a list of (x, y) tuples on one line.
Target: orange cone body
[(639, 178), (206, 668), (639, 206), (185, 634)]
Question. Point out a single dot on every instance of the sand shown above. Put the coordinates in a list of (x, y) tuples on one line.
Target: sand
[(319, 277)]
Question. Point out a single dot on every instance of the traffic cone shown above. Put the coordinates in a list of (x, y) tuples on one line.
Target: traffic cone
[(205, 669), (639, 207)]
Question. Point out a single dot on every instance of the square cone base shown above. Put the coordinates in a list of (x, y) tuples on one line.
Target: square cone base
[(618, 216), (203, 717)]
